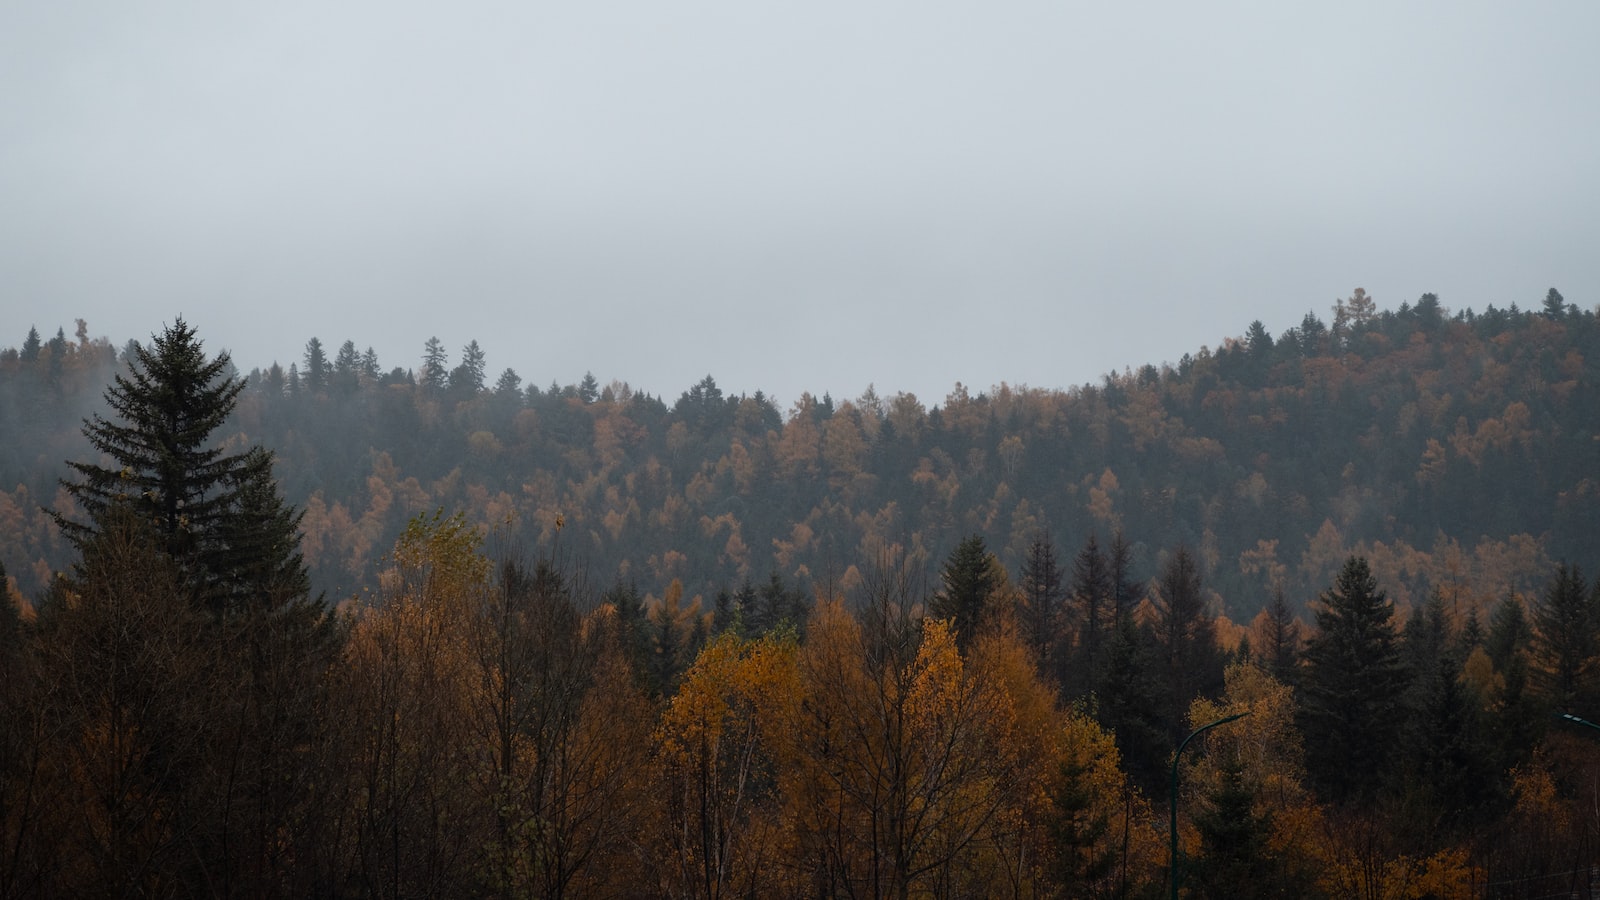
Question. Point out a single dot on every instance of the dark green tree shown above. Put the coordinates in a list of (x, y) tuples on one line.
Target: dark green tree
[(1509, 632), (1566, 638), (165, 468), (1352, 687), (30, 347), (257, 562), (466, 379), (346, 379), (435, 366), (967, 579), (1095, 612), (1280, 639), (316, 370), (1120, 558), (1555, 305), (1040, 600), (1075, 828), (1234, 862), (1129, 702), (1445, 772), (1190, 661), (217, 514)]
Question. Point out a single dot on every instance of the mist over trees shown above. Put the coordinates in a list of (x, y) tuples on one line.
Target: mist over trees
[(335, 631)]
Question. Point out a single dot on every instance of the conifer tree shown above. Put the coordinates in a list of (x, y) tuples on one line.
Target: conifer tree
[(1566, 637), (1092, 594), (217, 514), (164, 466), (967, 579), (1280, 644), (1185, 635), (1235, 860), (1352, 686), (1040, 598)]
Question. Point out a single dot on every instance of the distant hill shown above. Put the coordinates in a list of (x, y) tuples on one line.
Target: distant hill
[(1458, 451)]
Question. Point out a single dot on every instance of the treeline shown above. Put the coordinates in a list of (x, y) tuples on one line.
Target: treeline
[(1453, 451), (186, 717)]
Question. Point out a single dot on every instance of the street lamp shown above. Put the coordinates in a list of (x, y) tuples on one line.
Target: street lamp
[(1172, 859), (1577, 721)]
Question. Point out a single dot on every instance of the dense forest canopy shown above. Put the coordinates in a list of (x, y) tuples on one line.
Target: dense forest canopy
[(586, 644), (1454, 450)]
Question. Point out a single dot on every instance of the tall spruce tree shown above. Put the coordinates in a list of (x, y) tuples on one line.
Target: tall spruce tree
[(1567, 638), (1040, 599), (1190, 661), (1094, 601), (164, 464), (968, 578), (217, 514), (1352, 687)]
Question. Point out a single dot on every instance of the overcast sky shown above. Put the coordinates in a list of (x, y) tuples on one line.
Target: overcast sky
[(790, 196)]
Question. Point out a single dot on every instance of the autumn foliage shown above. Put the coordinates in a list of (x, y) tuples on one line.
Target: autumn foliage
[(580, 643)]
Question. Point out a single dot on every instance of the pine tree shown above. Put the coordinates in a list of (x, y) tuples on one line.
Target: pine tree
[(1129, 701), (1352, 686), (968, 580), (435, 366), (1120, 558), (30, 347), (1190, 661), (10, 621), (346, 379), (1092, 595), (316, 371), (217, 514), (1280, 645), (1234, 861), (257, 561), (164, 467), (1509, 632), (1566, 637), (1040, 599)]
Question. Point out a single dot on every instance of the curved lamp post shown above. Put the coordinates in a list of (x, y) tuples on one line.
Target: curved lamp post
[(1577, 721), (1172, 860)]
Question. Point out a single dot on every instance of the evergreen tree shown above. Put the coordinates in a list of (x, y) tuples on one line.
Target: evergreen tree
[(1234, 863), (258, 562), (635, 628), (1566, 638), (725, 615), (10, 622), (1040, 599), (1129, 700), (1509, 632), (316, 370), (1445, 772), (1190, 661), (435, 366), (746, 608), (968, 579), (1120, 559), (1092, 596), (1351, 687), (466, 379), (346, 379), (164, 467), (216, 514), (31, 346), (1077, 829), (1280, 645)]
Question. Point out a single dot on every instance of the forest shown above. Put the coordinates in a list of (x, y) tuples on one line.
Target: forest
[(340, 631)]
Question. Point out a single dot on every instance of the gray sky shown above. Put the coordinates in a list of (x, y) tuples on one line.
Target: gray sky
[(790, 196)]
